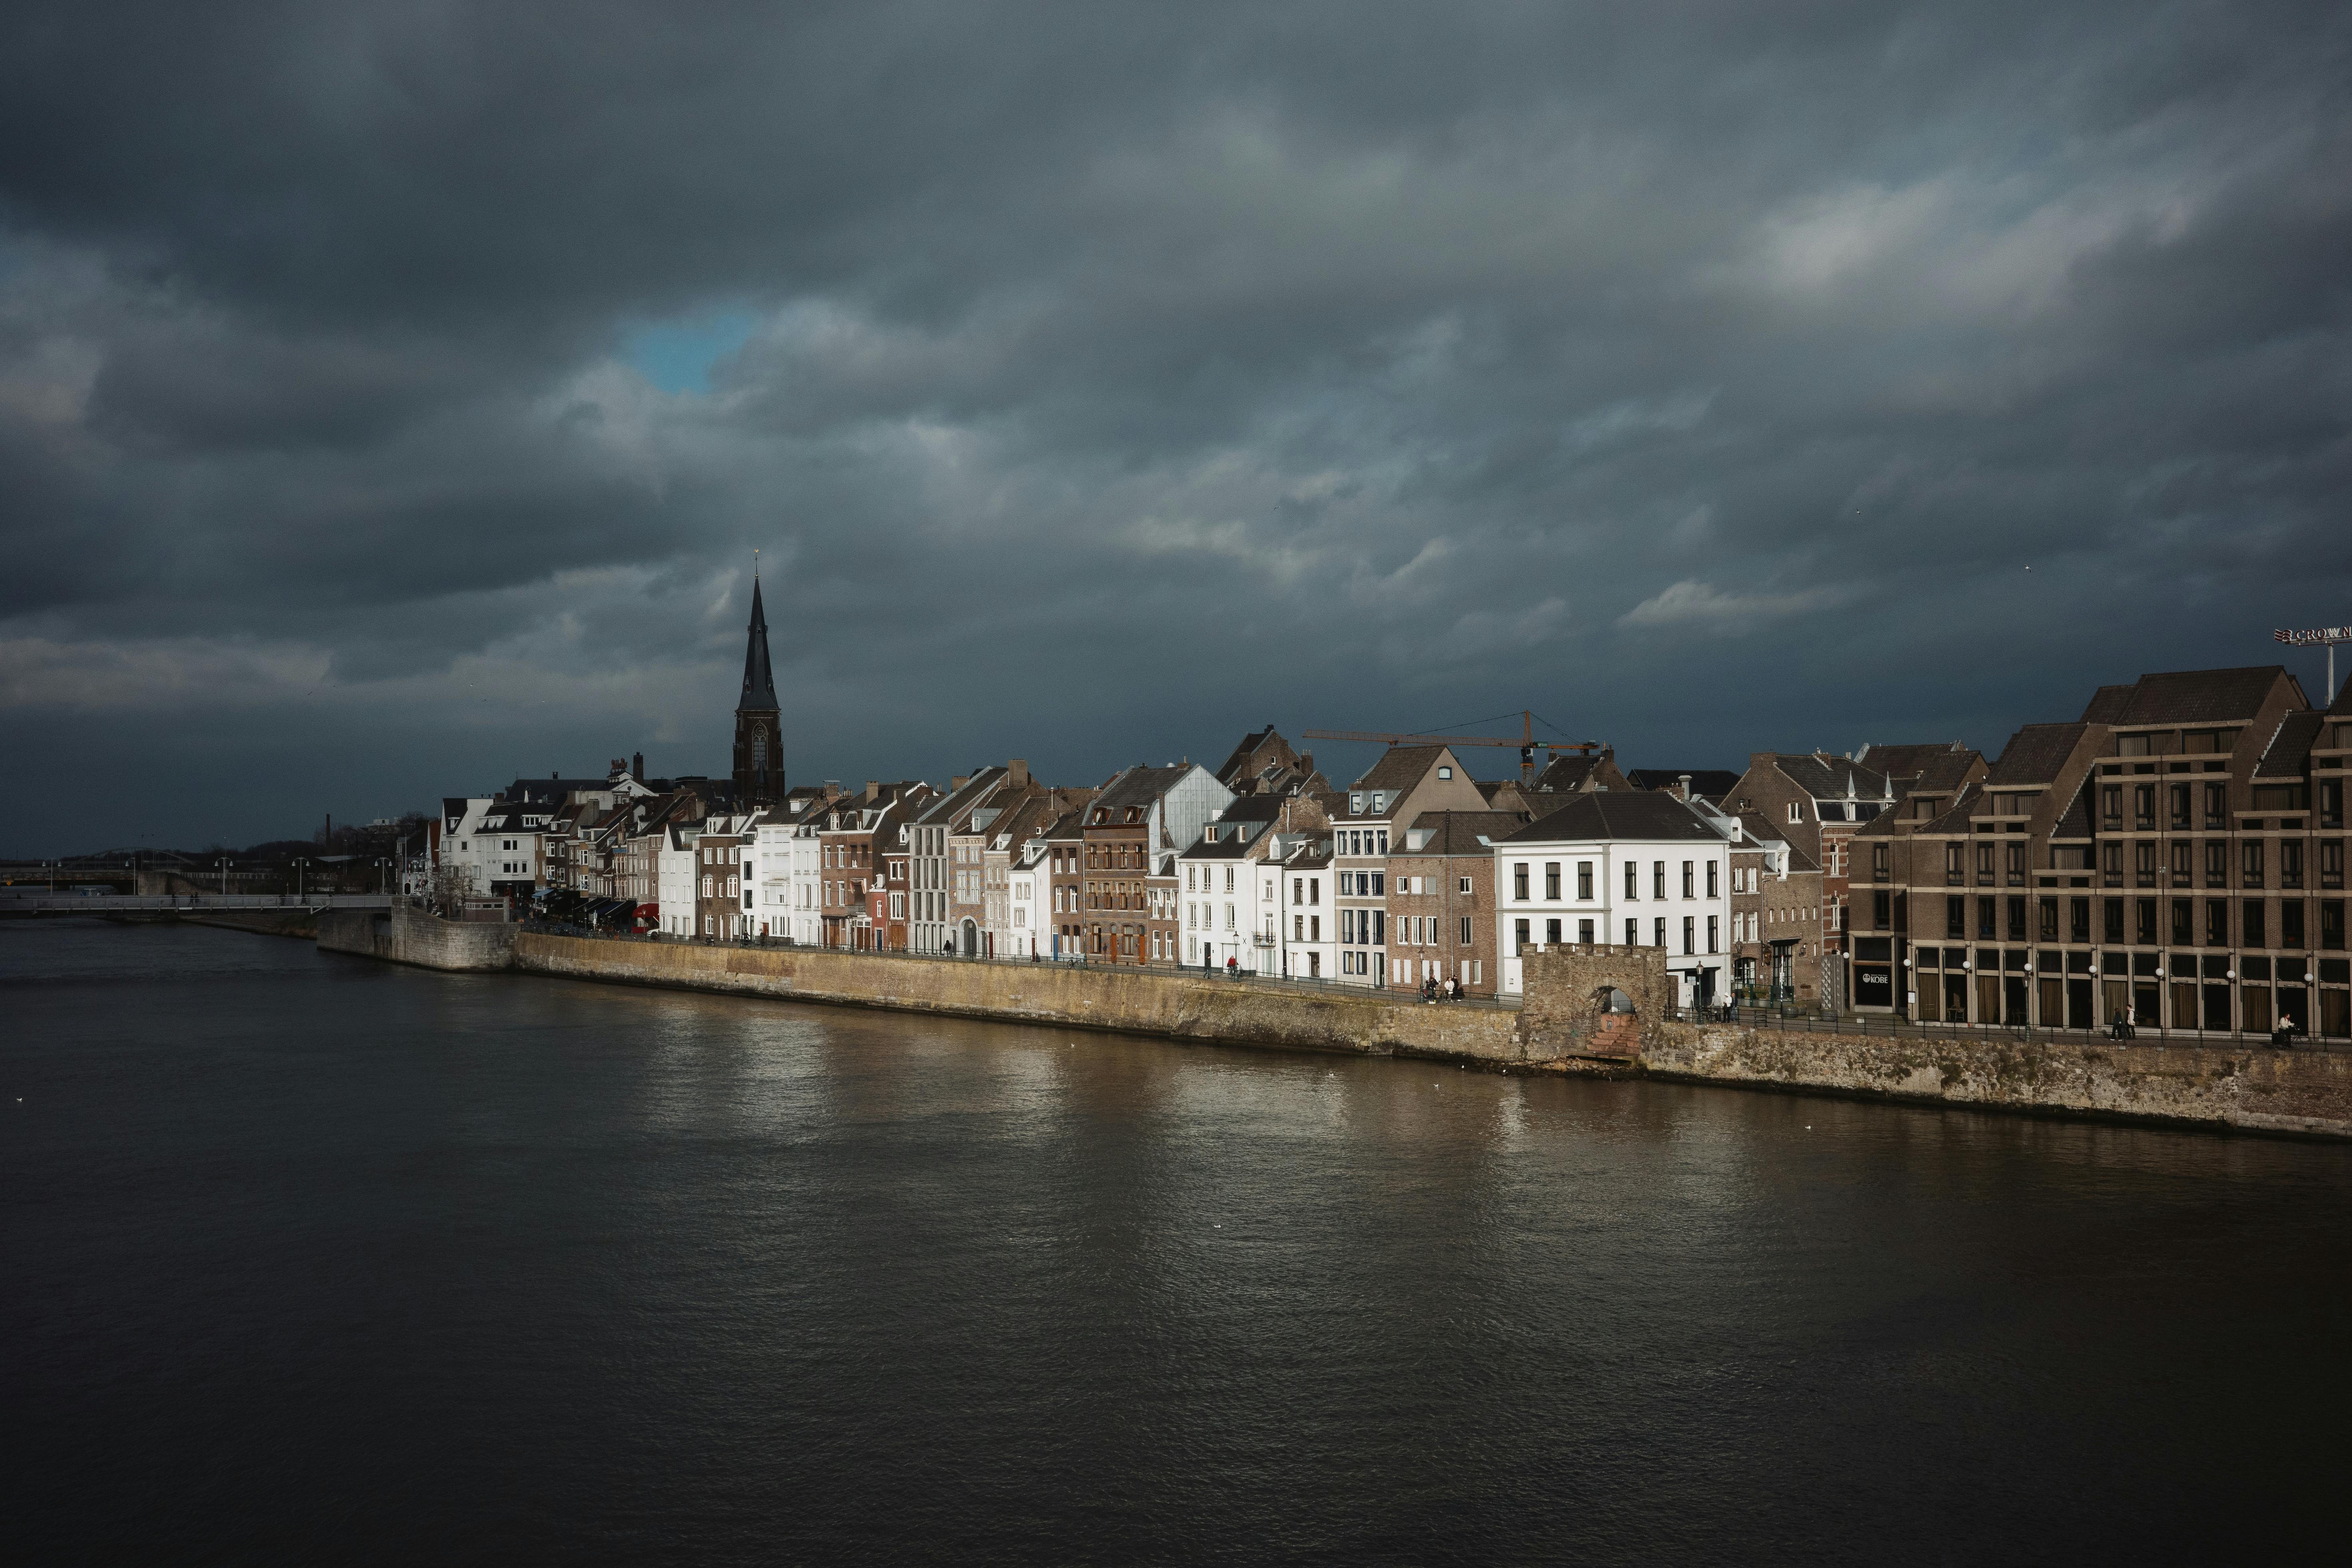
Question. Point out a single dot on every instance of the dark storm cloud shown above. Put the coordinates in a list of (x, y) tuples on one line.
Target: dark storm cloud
[(1704, 375)]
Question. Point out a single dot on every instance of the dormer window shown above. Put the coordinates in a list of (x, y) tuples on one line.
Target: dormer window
[(1355, 805)]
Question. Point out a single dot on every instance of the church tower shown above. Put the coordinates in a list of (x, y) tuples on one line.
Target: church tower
[(759, 728)]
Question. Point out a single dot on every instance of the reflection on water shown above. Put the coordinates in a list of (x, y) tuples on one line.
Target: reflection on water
[(314, 1257)]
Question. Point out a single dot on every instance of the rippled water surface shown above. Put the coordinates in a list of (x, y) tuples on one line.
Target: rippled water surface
[(310, 1257)]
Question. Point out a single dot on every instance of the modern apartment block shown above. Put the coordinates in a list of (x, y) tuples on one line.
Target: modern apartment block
[(2174, 856)]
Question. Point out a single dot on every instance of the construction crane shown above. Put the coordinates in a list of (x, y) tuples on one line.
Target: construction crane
[(1527, 743)]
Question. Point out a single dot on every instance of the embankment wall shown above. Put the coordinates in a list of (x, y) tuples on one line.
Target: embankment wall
[(1130, 1001), (2252, 1088), (405, 935), (2248, 1088), (263, 922)]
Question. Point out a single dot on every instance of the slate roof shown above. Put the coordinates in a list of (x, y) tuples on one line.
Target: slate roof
[(1242, 753), (1643, 815), (2075, 822), (1253, 809), (2188, 697), (1827, 778), (1456, 832), (1568, 771), (1955, 820), (1712, 783), (1141, 785), (1399, 769), (1759, 829), (2035, 753), (2288, 755)]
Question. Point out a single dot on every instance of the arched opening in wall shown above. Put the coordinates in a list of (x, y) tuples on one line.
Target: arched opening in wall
[(1616, 1026)]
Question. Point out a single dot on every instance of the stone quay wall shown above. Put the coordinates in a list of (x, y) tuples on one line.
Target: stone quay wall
[(1565, 1026), (1177, 1004), (406, 935), (2248, 1087)]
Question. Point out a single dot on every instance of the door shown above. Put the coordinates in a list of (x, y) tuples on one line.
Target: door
[(2254, 1001), (2216, 1008), (2079, 1013), (2053, 1001), (2184, 1005), (1988, 998), (2146, 1013), (1956, 999), (2115, 996), (2013, 992)]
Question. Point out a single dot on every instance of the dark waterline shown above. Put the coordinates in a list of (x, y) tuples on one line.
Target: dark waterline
[(311, 1258)]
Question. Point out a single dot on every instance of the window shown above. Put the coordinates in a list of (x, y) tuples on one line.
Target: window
[(2331, 863), (1551, 933), (2290, 864), (1464, 888), (1796, 812), (1445, 772), (1355, 805), (1551, 879), (1710, 884), (1584, 879), (1712, 941), (2252, 924), (1518, 937), (1658, 928), (2291, 923), (2016, 865), (1658, 883), (2184, 932), (2176, 796), (1690, 887), (1632, 933), (1632, 884), (2016, 912), (2048, 913), (2078, 921), (1519, 881), (1690, 935), (1956, 917)]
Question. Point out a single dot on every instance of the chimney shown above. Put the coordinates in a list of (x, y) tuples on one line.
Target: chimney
[(636, 765), (1760, 759), (873, 791), (1019, 769), (1683, 788), (832, 789), (958, 781)]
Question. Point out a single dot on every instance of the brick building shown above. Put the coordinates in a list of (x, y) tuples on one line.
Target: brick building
[(1442, 896), (2176, 853)]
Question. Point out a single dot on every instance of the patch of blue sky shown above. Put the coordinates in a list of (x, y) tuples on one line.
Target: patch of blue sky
[(677, 356)]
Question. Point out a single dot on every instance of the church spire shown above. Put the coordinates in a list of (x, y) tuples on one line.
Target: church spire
[(758, 683)]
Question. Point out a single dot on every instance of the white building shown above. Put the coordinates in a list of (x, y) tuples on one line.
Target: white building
[(1641, 869), (675, 868), (1304, 919)]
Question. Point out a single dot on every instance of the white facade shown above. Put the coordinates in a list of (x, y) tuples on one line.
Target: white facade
[(1674, 893), (1029, 895), (1306, 916), (674, 875)]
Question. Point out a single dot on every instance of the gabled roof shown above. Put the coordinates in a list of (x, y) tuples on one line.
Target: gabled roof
[(1955, 818), (2342, 707), (2034, 754), (1399, 769), (1831, 778), (1458, 832), (1253, 809), (2288, 756), (1642, 814), (1141, 785), (2188, 697)]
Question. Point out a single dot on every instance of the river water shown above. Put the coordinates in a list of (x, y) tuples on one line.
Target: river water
[(311, 1258)]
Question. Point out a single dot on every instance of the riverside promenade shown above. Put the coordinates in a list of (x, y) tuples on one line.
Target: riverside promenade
[(1598, 1011)]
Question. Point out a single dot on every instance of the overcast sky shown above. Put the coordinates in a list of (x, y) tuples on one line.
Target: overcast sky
[(392, 397)]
